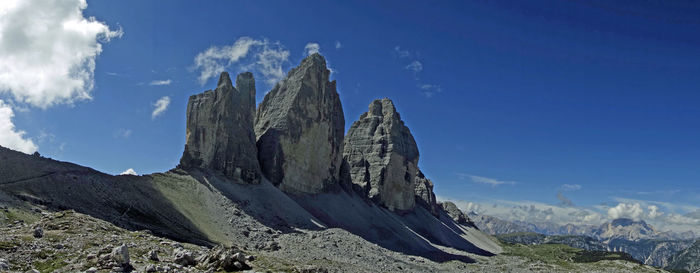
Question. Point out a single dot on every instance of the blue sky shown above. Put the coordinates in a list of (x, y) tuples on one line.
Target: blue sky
[(507, 100)]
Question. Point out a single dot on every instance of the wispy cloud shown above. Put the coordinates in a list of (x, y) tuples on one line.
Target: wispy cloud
[(123, 133), (160, 106), (564, 201), (430, 89), (338, 45), (401, 53), (570, 187), (161, 82), (485, 180), (311, 48), (266, 57), (415, 66)]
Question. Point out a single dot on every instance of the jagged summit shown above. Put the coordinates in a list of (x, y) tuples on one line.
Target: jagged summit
[(220, 129), (300, 128), (382, 156)]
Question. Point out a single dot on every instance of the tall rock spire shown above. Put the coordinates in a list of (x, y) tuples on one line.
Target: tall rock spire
[(220, 129), (382, 159), (300, 129)]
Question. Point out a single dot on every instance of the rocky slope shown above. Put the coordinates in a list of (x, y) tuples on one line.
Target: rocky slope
[(300, 129), (688, 259)]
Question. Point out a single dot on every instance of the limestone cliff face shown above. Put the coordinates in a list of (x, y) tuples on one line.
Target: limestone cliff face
[(299, 128), (424, 193), (220, 129), (383, 157)]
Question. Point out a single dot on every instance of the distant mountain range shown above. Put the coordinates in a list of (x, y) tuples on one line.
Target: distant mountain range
[(637, 238)]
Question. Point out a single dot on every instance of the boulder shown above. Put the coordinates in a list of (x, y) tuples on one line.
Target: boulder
[(220, 129), (382, 156), (300, 128), (38, 232), (183, 257), (120, 255)]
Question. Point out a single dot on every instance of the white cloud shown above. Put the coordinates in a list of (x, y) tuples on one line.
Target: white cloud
[(536, 212), (129, 171), (654, 212), (266, 57), (161, 82), (9, 136), (338, 45), (415, 66), (49, 50), (624, 210), (123, 133), (570, 187), (430, 89), (485, 180), (401, 53), (311, 48), (160, 106)]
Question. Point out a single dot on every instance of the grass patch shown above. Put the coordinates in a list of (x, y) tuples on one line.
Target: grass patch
[(51, 264), (586, 256), (563, 255), (7, 245)]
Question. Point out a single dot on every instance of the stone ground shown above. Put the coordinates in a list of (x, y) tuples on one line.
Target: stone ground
[(67, 241)]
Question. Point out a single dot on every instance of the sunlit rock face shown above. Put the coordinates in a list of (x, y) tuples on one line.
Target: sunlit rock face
[(220, 132), (300, 129), (383, 157)]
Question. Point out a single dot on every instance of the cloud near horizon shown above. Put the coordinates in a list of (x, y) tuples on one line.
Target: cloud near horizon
[(484, 180), (129, 171), (536, 212), (10, 137)]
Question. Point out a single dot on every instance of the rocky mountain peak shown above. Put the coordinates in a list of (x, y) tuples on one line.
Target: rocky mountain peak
[(220, 130), (224, 81), (300, 129), (382, 158)]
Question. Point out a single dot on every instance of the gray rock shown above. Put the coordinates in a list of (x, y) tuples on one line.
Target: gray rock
[(239, 257), (183, 257), (32, 271), (424, 193), (382, 156), (220, 130), (91, 270), (153, 255), (455, 213), (300, 129), (151, 268), (38, 232), (120, 255), (4, 265)]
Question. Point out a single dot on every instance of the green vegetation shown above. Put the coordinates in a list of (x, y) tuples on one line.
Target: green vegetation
[(562, 255), (51, 264), (7, 245)]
